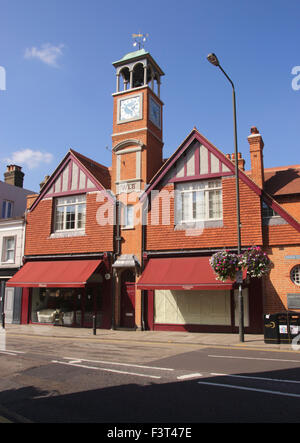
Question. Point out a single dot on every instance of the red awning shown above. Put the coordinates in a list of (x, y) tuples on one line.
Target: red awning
[(54, 274), (181, 273)]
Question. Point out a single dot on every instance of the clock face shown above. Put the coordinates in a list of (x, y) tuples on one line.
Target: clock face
[(155, 113), (130, 108)]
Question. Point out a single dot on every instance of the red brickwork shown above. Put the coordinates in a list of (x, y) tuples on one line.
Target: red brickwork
[(39, 228), (279, 283), (166, 237)]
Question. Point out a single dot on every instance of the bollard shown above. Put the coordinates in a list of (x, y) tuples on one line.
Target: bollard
[(94, 324), (3, 320)]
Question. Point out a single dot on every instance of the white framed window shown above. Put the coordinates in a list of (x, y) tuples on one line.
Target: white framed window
[(7, 209), (127, 216), (199, 201), (295, 275), (70, 213), (8, 249)]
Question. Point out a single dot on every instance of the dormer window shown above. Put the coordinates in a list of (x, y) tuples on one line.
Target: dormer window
[(70, 213), (7, 209)]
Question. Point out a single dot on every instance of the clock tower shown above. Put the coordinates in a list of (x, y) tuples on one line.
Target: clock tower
[(137, 122), (136, 157)]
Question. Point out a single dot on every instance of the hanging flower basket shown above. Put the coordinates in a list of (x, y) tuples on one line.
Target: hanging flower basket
[(256, 262), (225, 264)]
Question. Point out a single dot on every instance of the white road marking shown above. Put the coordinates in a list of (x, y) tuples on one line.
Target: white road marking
[(17, 352), (254, 358), (104, 369), (244, 388), (9, 352), (183, 377), (119, 364), (257, 378)]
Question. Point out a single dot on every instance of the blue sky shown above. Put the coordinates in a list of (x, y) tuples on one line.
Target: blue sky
[(58, 54)]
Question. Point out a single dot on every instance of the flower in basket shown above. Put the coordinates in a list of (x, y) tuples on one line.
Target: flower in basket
[(225, 264), (256, 262)]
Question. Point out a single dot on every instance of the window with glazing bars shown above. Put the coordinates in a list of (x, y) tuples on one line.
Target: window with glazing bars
[(198, 201), (70, 213)]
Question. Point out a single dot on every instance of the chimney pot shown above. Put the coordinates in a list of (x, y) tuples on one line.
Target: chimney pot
[(241, 161)]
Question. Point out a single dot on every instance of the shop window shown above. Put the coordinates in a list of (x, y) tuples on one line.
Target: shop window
[(56, 306), (192, 307), (295, 275), (198, 201), (70, 213)]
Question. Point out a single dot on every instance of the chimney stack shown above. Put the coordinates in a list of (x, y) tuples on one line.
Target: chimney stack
[(14, 176), (256, 154), (44, 181), (241, 161)]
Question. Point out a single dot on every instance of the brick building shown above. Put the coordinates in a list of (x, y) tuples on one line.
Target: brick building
[(131, 243)]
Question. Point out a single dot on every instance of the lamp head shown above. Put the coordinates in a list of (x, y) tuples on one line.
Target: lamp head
[(213, 59)]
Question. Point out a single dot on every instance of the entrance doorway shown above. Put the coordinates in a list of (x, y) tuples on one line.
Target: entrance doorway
[(127, 314)]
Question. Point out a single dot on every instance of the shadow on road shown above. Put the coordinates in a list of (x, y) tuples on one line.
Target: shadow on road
[(175, 402)]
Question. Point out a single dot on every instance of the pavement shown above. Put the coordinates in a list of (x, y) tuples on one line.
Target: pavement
[(251, 341)]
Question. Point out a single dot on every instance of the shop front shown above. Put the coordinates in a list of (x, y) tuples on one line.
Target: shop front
[(182, 294), (65, 293)]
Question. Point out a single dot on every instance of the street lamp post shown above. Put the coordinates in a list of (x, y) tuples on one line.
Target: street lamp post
[(213, 59)]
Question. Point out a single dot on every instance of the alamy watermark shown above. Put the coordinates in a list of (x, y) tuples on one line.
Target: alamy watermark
[(160, 208), (296, 79)]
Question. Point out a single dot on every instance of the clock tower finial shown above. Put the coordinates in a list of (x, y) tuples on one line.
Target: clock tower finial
[(139, 40)]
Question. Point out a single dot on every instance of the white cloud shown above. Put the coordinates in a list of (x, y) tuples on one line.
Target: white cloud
[(28, 157), (47, 53)]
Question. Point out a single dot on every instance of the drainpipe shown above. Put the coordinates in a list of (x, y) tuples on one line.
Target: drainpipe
[(117, 247), (144, 221), (24, 235)]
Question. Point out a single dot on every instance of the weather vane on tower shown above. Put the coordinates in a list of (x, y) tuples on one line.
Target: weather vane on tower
[(139, 39)]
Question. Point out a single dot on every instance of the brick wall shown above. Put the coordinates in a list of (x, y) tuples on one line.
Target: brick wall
[(166, 237), (39, 227), (278, 284)]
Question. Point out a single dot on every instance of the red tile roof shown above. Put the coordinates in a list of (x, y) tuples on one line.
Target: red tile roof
[(100, 172), (282, 180)]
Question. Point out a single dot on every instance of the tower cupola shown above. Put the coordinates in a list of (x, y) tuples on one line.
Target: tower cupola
[(137, 69)]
